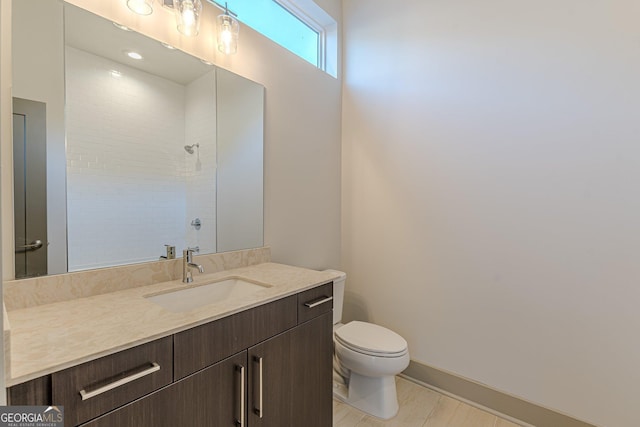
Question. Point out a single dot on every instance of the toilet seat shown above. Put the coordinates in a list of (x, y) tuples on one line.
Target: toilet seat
[(370, 339)]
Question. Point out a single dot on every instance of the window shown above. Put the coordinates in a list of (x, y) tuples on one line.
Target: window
[(299, 26)]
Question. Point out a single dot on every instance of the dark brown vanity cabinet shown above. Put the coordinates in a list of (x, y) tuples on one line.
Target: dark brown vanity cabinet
[(211, 397), (269, 366), (290, 377)]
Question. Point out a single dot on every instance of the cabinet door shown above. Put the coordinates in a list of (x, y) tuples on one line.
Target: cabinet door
[(290, 377), (213, 397)]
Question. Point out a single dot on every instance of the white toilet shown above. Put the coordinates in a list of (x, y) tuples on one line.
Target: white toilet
[(367, 358)]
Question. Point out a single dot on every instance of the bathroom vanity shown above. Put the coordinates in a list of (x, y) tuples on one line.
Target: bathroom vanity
[(122, 341), (262, 360)]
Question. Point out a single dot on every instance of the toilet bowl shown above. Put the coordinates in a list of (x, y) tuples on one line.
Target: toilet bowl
[(367, 357)]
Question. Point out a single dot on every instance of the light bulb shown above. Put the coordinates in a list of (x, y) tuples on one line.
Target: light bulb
[(226, 36), (228, 29), (188, 16)]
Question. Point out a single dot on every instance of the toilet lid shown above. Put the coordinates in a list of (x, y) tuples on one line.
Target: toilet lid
[(371, 339)]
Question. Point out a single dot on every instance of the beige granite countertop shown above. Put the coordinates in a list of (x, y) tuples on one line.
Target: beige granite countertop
[(51, 337)]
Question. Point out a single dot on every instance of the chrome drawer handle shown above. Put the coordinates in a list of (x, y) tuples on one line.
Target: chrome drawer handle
[(89, 394), (317, 303)]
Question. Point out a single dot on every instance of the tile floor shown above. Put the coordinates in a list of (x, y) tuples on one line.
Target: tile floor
[(420, 407)]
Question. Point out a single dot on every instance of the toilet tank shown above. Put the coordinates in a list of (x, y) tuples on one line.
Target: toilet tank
[(338, 295)]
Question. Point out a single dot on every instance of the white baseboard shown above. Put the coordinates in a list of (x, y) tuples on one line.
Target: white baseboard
[(484, 397)]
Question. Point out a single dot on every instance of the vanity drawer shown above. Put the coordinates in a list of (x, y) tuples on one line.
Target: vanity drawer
[(199, 347), (93, 388), (314, 302)]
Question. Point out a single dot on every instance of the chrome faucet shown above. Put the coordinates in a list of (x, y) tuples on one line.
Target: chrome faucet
[(188, 264)]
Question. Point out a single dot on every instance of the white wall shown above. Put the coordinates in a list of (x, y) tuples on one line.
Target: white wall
[(490, 192)]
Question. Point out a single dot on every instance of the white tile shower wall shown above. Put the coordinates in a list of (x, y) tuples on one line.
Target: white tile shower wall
[(200, 167), (125, 162)]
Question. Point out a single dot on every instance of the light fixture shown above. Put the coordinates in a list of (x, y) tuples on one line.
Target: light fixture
[(141, 7), (188, 16), (228, 29), (116, 73)]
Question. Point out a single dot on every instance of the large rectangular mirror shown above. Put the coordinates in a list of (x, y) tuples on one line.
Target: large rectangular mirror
[(134, 154)]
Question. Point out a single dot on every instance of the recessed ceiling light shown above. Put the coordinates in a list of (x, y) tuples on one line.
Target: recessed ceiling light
[(122, 27), (205, 62), (168, 46), (116, 73), (133, 55)]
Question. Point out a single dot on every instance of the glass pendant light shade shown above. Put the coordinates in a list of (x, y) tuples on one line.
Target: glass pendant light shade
[(188, 16), (228, 30), (141, 7)]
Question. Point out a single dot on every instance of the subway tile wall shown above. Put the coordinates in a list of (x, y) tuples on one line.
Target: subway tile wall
[(127, 170)]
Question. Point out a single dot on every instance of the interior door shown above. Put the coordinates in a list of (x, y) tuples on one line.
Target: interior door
[(30, 187)]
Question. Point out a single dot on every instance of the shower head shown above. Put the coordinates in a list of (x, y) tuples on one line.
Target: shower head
[(189, 148)]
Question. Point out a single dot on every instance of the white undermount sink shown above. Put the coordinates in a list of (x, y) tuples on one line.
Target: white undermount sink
[(187, 299)]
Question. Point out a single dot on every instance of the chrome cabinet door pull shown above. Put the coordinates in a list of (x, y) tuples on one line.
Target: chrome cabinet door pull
[(258, 410), (240, 419)]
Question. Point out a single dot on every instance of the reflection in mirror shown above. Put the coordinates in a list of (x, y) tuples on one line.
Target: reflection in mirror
[(240, 123), (131, 185), (142, 162)]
